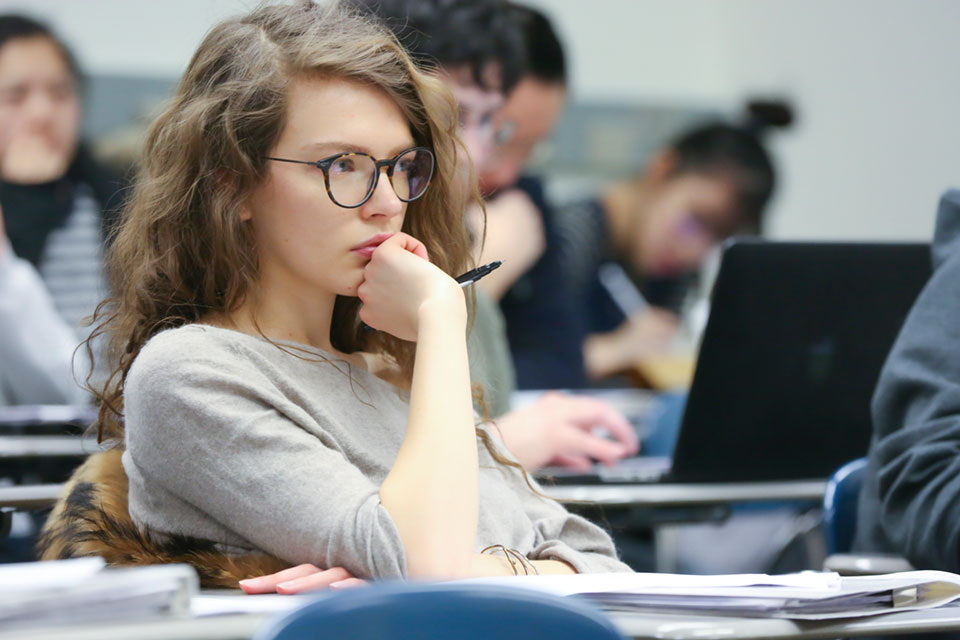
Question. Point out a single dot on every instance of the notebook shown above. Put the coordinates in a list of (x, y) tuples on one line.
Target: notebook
[(793, 347)]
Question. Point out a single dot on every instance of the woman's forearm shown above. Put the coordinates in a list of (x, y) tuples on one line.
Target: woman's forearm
[(431, 491)]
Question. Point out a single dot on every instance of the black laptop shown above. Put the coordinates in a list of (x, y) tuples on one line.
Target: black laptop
[(795, 340)]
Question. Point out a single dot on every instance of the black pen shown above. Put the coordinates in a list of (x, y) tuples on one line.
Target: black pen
[(473, 275)]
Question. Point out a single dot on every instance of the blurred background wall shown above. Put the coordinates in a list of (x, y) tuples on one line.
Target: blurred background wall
[(873, 83)]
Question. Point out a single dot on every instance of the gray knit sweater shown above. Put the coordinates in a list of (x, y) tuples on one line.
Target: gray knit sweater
[(229, 438)]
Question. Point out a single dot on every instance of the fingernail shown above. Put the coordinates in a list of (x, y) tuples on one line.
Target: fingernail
[(289, 584), (339, 584), (249, 582)]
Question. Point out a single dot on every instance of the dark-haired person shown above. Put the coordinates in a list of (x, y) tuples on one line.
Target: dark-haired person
[(480, 49), (520, 220), (709, 183), (473, 44), (53, 196)]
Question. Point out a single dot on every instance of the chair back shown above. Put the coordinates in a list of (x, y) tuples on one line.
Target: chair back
[(840, 506), (403, 611)]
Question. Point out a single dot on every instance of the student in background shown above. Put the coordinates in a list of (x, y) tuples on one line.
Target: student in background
[(709, 183), (908, 503), (541, 317), (304, 179), (475, 48), (478, 46), (55, 213)]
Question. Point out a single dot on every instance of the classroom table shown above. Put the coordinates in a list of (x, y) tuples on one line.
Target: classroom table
[(688, 494), (631, 624), (689, 502), (29, 497), (21, 447), (653, 495)]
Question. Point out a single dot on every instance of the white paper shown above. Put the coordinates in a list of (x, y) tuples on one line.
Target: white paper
[(804, 596), (215, 605), (565, 585), (26, 576)]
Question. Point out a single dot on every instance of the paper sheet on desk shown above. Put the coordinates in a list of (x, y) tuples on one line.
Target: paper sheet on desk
[(566, 585), (805, 596), (82, 590)]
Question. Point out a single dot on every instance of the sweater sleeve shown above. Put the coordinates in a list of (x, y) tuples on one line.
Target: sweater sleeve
[(573, 539), (559, 534), (916, 411), (36, 345), (213, 431)]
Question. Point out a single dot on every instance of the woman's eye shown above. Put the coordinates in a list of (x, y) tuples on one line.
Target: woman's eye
[(342, 165)]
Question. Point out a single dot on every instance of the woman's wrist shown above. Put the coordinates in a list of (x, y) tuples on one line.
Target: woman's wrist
[(447, 307)]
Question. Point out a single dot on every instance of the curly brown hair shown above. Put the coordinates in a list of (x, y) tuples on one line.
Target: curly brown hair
[(181, 251)]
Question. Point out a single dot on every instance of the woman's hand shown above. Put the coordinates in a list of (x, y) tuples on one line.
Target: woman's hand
[(643, 335), (400, 283), (561, 429), (300, 579)]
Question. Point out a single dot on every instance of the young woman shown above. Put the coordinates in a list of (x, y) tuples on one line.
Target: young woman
[(290, 348), (56, 206)]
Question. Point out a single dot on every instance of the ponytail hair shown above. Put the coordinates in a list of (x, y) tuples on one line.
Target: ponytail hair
[(737, 151)]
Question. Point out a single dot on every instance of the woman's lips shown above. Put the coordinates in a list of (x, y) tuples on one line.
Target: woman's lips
[(367, 247)]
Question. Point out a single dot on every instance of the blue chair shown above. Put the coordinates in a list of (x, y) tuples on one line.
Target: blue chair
[(840, 506), (402, 611), (840, 525)]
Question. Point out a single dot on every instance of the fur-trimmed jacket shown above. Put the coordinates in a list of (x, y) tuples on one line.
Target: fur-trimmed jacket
[(92, 519)]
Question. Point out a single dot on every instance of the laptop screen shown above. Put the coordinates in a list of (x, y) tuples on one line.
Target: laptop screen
[(793, 347)]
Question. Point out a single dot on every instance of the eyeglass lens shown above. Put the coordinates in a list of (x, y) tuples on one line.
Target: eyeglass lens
[(352, 176)]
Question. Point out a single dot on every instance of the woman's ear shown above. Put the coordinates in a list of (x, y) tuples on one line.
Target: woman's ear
[(245, 212)]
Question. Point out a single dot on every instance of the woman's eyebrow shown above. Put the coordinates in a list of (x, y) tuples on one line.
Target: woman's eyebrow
[(333, 147)]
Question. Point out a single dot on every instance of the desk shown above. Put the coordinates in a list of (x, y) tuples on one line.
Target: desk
[(652, 495), (688, 495), (676, 627), (18, 447), (685, 496), (31, 496), (633, 625)]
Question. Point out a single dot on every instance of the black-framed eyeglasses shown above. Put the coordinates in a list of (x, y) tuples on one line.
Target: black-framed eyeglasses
[(352, 176)]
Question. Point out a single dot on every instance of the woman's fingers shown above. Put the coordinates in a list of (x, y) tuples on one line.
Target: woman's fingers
[(349, 583), (270, 583), (331, 578), (411, 244)]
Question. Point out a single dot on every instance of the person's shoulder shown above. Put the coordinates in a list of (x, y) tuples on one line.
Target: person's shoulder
[(172, 351), (190, 341)]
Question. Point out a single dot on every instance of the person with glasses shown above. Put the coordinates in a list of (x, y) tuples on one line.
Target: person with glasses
[(477, 47), (56, 205), (656, 228), (290, 379)]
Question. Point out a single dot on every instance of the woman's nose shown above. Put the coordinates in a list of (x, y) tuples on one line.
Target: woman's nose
[(384, 200)]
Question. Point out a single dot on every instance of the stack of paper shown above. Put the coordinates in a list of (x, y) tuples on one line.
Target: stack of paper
[(803, 596), (83, 590)]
